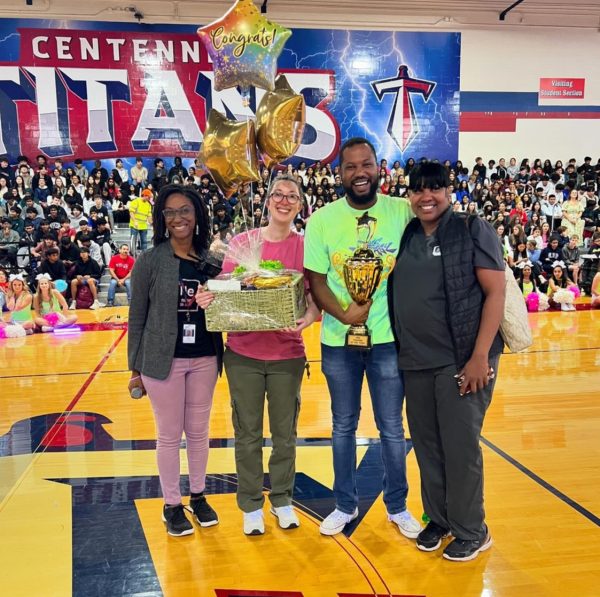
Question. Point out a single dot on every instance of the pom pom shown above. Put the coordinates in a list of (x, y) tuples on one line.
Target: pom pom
[(533, 302), (544, 302), (2, 332), (14, 331), (52, 319), (564, 297), (575, 290)]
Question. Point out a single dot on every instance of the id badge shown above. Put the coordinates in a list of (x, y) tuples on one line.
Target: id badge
[(189, 333)]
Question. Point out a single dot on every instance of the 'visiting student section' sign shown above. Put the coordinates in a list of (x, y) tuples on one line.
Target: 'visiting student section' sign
[(560, 88)]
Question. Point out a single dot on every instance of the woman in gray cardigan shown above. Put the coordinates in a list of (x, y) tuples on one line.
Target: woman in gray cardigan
[(172, 357)]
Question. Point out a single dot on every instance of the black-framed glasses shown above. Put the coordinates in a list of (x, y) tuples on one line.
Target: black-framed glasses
[(185, 212), (278, 197)]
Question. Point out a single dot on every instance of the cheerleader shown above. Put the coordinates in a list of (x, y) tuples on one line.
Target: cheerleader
[(50, 307), (561, 290), (534, 298), (19, 303)]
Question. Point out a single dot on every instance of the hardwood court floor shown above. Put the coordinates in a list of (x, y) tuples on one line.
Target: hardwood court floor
[(80, 501)]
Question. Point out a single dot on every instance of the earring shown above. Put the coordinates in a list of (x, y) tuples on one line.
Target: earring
[(166, 234), (197, 230)]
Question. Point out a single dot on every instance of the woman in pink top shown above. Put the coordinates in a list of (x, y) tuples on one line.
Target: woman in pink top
[(271, 364)]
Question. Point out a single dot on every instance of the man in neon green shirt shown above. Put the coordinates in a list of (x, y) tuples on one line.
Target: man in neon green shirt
[(330, 238), (140, 217)]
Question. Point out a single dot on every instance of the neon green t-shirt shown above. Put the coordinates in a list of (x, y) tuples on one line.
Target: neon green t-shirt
[(139, 210), (331, 238)]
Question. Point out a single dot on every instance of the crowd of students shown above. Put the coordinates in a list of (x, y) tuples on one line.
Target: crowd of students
[(57, 220)]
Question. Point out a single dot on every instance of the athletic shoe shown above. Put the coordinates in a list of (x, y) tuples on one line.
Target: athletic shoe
[(254, 523), (407, 524), (47, 328), (336, 522), (461, 550), (204, 515), (110, 304), (177, 523), (286, 517), (430, 538), (73, 305)]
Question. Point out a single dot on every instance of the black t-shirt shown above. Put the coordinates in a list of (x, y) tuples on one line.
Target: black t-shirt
[(420, 300), (56, 270), (189, 314), (70, 253), (420, 306), (101, 237), (99, 210)]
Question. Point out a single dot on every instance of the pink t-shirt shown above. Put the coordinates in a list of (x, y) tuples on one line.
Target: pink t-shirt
[(269, 346)]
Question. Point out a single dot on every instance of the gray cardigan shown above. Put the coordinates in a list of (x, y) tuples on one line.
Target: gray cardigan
[(153, 313)]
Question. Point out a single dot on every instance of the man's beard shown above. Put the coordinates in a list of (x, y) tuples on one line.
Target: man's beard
[(362, 199)]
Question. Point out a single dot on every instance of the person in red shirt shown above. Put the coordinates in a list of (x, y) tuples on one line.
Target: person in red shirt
[(66, 230), (120, 267), (518, 210)]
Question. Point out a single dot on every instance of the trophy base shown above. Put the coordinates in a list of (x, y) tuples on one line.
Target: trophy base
[(358, 338)]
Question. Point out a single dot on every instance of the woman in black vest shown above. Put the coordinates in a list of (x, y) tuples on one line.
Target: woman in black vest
[(446, 303)]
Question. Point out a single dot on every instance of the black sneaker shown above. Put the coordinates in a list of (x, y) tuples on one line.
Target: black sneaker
[(205, 516), (463, 550), (430, 538), (177, 523)]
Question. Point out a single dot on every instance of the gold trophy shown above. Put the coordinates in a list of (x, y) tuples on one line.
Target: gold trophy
[(362, 273)]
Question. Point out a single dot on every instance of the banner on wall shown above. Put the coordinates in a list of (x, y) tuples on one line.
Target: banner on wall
[(557, 88), (107, 90)]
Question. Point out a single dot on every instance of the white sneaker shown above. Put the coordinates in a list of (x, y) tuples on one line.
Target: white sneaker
[(573, 307), (73, 306), (564, 307), (286, 516), (254, 523), (47, 328), (96, 305), (336, 522), (407, 523)]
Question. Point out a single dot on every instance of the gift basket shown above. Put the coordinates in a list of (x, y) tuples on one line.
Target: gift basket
[(257, 296)]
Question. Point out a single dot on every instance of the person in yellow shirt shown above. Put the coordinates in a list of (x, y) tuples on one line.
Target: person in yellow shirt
[(140, 217)]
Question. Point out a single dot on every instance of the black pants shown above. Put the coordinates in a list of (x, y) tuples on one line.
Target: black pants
[(445, 429)]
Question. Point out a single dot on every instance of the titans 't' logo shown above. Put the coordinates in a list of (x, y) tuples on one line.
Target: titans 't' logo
[(403, 125)]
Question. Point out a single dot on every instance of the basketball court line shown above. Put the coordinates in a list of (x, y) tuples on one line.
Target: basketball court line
[(518, 354), (66, 373), (91, 376), (51, 433), (61, 374), (315, 519), (547, 486)]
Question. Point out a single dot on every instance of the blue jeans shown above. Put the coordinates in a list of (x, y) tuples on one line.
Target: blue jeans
[(112, 289), (134, 236), (344, 370)]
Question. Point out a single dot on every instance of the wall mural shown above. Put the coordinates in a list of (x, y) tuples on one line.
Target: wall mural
[(106, 90)]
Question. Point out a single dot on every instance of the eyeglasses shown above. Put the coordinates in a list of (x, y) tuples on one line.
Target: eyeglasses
[(184, 212), (278, 197)]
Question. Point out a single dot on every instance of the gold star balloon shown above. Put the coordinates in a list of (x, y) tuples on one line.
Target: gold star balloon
[(280, 120), (229, 152), (244, 46)]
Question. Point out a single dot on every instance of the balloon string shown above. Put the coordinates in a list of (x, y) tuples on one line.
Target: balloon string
[(264, 209)]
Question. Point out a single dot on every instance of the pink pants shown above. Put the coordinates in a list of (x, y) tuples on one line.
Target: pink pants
[(181, 403)]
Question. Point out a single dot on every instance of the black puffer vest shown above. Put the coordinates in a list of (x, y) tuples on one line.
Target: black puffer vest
[(464, 297)]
